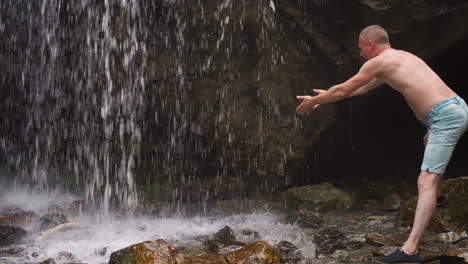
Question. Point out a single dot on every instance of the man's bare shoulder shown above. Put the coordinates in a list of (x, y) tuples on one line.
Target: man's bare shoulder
[(388, 59), (376, 64)]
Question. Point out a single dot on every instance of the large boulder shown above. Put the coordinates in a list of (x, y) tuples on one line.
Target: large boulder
[(11, 235), (154, 252), (452, 215), (259, 252), (319, 197)]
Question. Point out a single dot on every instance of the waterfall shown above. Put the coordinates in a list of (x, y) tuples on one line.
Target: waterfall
[(125, 101)]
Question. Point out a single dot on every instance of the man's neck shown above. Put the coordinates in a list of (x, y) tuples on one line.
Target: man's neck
[(382, 48)]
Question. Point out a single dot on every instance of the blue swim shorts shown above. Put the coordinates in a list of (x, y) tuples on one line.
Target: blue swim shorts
[(446, 123)]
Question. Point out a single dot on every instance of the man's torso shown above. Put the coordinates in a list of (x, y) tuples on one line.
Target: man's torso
[(412, 77)]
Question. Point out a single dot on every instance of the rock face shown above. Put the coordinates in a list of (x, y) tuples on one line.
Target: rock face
[(451, 216), (319, 197), (154, 252), (11, 235)]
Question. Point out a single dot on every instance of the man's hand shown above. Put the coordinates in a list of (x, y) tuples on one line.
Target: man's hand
[(308, 103)]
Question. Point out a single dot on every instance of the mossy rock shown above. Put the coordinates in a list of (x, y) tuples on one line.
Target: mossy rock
[(320, 197)]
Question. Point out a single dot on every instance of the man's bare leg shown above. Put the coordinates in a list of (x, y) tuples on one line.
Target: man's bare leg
[(427, 195)]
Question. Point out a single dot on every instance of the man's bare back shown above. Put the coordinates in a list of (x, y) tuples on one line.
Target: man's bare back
[(412, 77)]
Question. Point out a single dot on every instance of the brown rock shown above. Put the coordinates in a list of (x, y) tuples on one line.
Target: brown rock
[(329, 239), (154, 252), (450, 237), (320, 197), (380, 240), (308, 219), (340, 255), (384, 251), (392, 202), (207, 259), (289, 252), (259, 252)]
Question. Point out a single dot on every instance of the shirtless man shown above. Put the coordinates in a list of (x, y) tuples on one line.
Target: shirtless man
[(443, 113)]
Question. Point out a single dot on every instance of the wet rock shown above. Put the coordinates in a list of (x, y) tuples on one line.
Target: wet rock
[(11, 251), (48, 261), (377, 217), (225, 234), (206, 259), (353, 245), (156, 252), (392, 202), (384, 251), (462, 244), (427, 255), (455, 256), (320, 197), (450, 237), (380, 240), (463, 234), (307, 219), (259, 252), (250, 236), (224, 241), (357, 238), (49, 221), (14, 216), (329, 239), (11, 235), (451, 216), (101, 252), (356, 257), (226, 250), (65, 256), (290, 253), (340, 255)]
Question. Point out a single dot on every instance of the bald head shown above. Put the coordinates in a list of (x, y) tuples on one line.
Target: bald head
[(375, 33)]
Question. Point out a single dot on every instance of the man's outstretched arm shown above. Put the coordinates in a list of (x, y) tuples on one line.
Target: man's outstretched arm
[(366, 88), (340, 91)]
